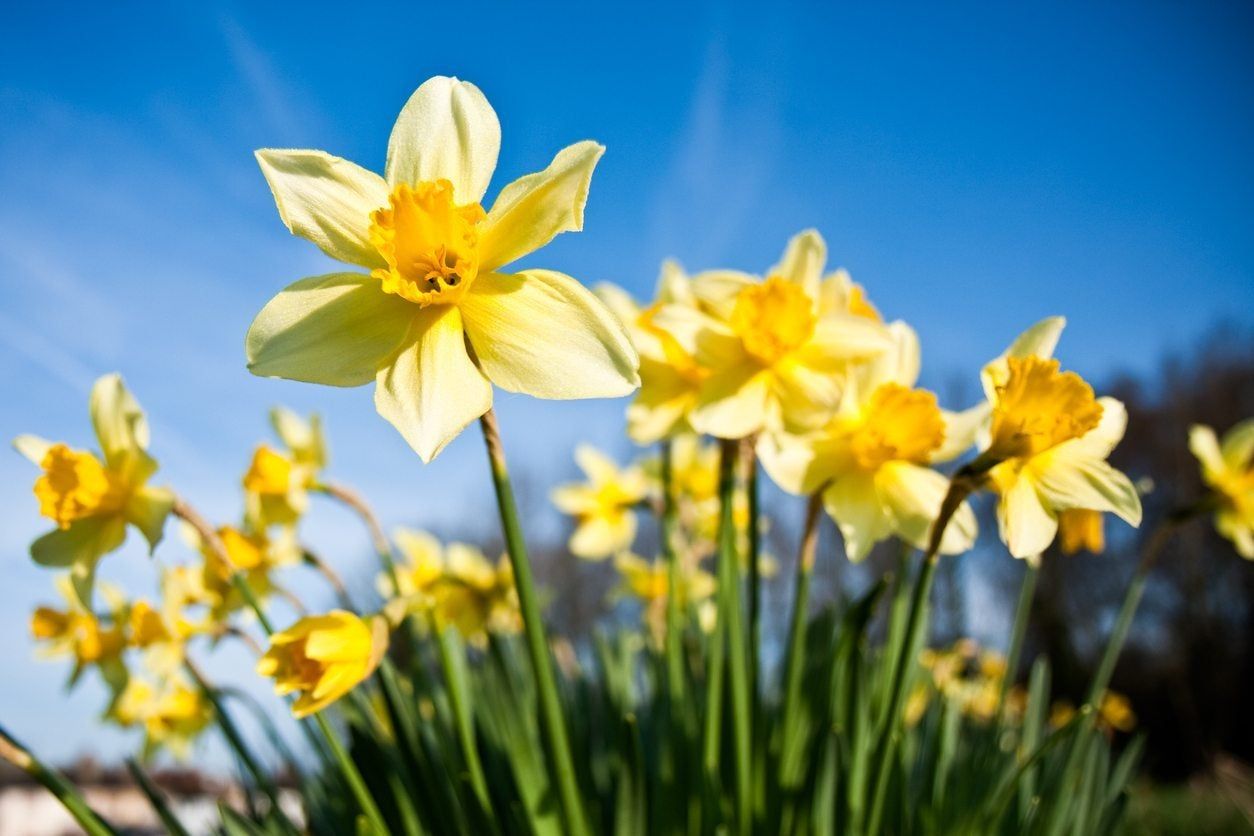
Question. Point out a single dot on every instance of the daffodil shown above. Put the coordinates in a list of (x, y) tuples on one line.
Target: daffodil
[(1228, 469), (670, 377), (431, 317), (417, 573), (872, 460), (475, 596), (92, 498), (649, 583), (1081, 529), (305, 442), (253, 552), (81, 634), (172, 715), (775, 353), (1050, 438), (604, 506), (276, 489), (321, 658)]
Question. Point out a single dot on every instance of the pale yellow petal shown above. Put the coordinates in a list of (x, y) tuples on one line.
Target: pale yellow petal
[(531, 211), (715, 291), (1069, 478), (599, 537), (337, 330), (446, 131), (32, 447), (853, 503), (1100, 441), (1027, 528), (838, 338), (432, 390), (962, 430), (1205, 447), (1238, 446), (326, 200), (799, 465), (544, 334), (673, 285), (803, 261), (733, 403), (913, 496), (120, 424), (147, 510), (598, 467)]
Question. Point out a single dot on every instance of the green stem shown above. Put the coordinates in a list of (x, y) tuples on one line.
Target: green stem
[(55, 783), (960, 487), (794, 661), (729, 602), (552, 723), (674, 579), (155, 798), (452, 662), (356, 783), (755, 587), (1023, 611)]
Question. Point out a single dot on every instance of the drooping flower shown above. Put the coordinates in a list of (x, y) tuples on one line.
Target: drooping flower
[(670, 377), (776, 354), (253, 552), (604, 506), (172, 714), (92, 498), (433, 320), (1228, 469), (418, 572), (82, 635), (872, 460), (321, 658)]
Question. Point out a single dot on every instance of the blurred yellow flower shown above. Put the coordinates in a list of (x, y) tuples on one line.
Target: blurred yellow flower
[(604, 506), (776, 355), (172, 716), (76, 631), (966, 675), (1081, 529), (1228, 469), (670, 377), (649, 582), (323, 657), (93, 498), (476, 597), (871, 461), (420, 568), (431, 319), (253, 552), (275, 489)]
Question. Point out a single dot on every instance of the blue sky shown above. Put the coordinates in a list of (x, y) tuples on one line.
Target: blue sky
[(977, 168)]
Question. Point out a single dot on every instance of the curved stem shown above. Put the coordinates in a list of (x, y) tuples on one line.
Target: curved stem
[(749, 457), (379, 540), (332, 578), (729, 614), (552, 723), (674, 578)]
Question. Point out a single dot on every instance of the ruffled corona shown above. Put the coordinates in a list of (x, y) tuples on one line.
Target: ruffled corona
[(899, 424), (74, 485), (773, 318), (430, 244), (1040, 407)]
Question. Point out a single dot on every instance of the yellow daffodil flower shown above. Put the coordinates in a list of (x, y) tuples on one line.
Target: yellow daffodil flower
[(1081, 529), (79, 633), (1051, 436), (604, 506), (476, 597), (649, 582), (254, 552), (93, 498), (670, 377), (417, 572), (305, 442), (323, 657), (276, 489), (1228, 469), (966, 675), (172, 716), (431, 319), (872, 460), (776, 356)]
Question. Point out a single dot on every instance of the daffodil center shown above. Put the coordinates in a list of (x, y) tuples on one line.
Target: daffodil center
[(898, 424), (773, 318), (1040, 407), (75, 485), (430, 243)]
